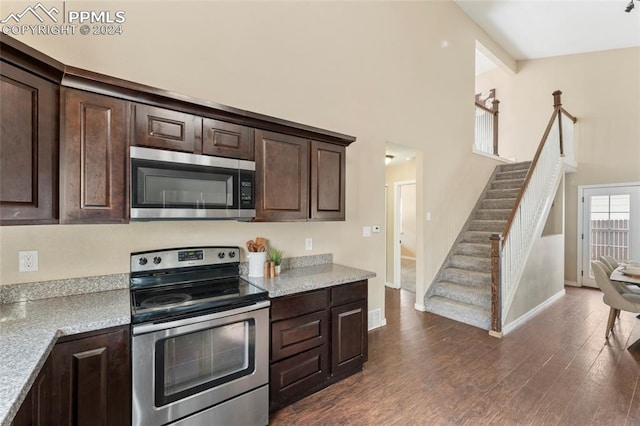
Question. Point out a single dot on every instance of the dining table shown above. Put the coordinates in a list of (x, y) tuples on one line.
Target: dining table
[(620, 275)]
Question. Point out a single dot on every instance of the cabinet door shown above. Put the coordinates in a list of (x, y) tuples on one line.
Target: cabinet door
[(36, 407), (167, 129), (328, 167), (282, 177), (348, 338), (92, 380), (28, 148), (94, 158), (227, 139), (297, 377)]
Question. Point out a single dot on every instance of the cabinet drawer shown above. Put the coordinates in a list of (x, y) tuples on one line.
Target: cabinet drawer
[(299, 304), (167, 129), (292, 336), (348, 293), (298, 376)]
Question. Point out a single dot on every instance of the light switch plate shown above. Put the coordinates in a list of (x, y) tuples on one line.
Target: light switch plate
[(308, 243), (366, 231)]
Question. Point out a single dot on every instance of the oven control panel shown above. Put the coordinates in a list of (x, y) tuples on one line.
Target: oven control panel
[(183, 258)]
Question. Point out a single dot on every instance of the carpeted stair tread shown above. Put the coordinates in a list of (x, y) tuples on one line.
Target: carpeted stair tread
[(481, 237), (507, 184), (473, 249), (459, 311), (514, 166), (498, 203), (465, 276), (492, 214), (473, 263), (503, 193), (512, 174), (487, 225), (473, 295)]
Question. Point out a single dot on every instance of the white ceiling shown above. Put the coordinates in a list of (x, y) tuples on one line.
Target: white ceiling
[(401, 154), (538, 29)]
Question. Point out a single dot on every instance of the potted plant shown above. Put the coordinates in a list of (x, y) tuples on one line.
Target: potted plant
[(275, 256)]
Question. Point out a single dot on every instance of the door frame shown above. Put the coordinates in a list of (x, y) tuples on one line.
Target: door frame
[(396, 229), (580, 224)]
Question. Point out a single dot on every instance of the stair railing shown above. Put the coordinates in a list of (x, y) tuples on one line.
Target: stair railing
[(486, 130), (509, 249)]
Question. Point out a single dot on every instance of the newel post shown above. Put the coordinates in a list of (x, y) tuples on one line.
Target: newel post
[(496, 110), (496, 288), (557, 105)]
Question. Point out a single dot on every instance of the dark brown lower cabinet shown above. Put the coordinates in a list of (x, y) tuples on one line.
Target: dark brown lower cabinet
[(85, 381), (36, 407), (317, 338)]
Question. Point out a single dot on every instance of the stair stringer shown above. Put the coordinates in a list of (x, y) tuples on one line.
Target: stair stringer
[(465, 227), (543, 215)]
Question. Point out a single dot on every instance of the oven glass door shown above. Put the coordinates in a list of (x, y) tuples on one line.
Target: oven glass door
[(190, 363), (158, 184), (182, 367)]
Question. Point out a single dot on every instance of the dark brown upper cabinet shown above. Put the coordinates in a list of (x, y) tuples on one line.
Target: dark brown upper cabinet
[(328, 167), (167, 129), (28, 148), (94, 146), (298, 179), (227, 139), (282, 177)]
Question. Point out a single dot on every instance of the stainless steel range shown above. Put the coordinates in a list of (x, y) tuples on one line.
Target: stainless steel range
[(200, 339)]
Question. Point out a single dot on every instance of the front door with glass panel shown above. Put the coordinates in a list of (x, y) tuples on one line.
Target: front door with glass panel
[(611, 226)]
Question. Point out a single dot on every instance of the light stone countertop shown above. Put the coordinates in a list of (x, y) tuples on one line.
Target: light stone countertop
[(29, 329), (309, 278)]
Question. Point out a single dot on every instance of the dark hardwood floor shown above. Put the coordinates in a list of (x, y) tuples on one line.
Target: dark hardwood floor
[(557, 369)]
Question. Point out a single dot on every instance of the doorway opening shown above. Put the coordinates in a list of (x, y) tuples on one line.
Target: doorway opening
[(401, 224), (609, 225)]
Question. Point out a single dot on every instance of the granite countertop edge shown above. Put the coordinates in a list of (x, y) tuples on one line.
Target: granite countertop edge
[(309, 278)]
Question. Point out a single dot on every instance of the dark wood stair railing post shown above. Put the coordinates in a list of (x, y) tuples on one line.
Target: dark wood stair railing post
[(557, 104), (496, 110), (496, 287)]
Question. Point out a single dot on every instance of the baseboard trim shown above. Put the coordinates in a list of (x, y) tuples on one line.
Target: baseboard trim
[(532, 313), (383, 322), (391, 285), (420, 307), (497, 334), (572, 283)]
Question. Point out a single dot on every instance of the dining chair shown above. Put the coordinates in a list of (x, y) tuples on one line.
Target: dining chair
[(606, 265), (615, 295), (612, 262)]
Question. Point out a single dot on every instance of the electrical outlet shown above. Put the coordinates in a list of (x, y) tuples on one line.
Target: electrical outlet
[(366, 231), (308, 243), (27, 261)]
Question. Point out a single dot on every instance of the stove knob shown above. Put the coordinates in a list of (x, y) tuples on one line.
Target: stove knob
[(232, 254), (221, 255), (142, 261), (157, 260)]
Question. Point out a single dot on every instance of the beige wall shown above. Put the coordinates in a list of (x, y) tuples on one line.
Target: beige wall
[(382, 71), (603, 90)]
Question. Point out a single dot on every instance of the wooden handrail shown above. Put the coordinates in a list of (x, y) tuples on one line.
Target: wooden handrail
[(497, 240)]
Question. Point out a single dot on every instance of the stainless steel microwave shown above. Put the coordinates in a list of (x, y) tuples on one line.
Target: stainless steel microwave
[(178, 185)]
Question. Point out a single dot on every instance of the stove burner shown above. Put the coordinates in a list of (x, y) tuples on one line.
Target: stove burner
[(165, 299)]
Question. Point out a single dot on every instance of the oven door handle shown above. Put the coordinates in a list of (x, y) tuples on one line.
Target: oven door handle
[(148, 328)]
